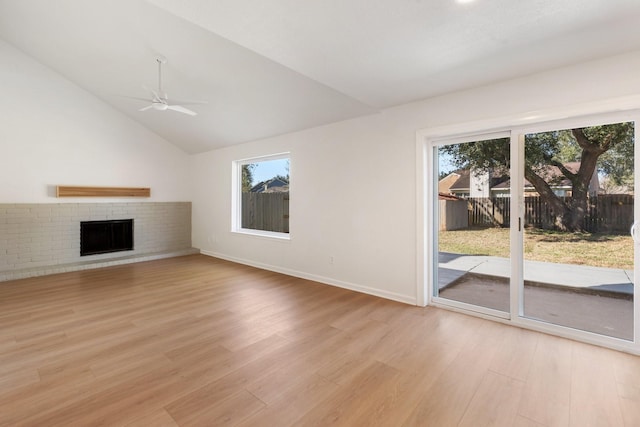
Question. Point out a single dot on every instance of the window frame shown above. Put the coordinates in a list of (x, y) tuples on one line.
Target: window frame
[(236, 197)]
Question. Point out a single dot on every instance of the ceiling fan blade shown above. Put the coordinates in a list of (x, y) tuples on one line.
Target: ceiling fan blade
[(148, 107), (188, 102), (181, 109), (137, 98)]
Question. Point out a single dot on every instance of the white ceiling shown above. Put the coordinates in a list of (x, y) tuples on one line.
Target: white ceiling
[(276, 66)]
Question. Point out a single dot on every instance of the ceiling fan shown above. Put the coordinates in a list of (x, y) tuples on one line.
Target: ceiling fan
[(159, 99)]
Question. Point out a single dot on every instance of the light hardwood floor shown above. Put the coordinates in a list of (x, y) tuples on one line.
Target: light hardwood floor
[(199, 341)]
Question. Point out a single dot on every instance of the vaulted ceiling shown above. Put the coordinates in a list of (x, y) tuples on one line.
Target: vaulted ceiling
[(268, 67)]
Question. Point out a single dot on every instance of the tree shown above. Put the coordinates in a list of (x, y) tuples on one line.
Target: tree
[(612, 144), (284, 178), (247, 177)]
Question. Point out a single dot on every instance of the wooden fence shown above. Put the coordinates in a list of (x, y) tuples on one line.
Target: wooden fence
[(605, 213), (266, 211), (453, 215)]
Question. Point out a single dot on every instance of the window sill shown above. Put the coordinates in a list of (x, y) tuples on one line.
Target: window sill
[(271, 235)]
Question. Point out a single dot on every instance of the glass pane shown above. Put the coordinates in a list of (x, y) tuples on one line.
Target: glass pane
[(265, 195), (473, 233), (578, 254)]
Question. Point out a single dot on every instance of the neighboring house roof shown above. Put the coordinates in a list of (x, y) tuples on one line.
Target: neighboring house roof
[(273, 185), (554, 177), (445, 183), (551, 174), (443, 196), (464, 181)]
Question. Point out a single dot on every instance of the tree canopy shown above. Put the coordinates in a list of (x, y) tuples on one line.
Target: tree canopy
[(247, 177), (606, 149)]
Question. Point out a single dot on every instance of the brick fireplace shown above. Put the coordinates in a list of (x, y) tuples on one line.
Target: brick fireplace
[(38, 239)]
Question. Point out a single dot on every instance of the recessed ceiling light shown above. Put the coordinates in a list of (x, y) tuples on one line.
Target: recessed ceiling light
[(465, 1)]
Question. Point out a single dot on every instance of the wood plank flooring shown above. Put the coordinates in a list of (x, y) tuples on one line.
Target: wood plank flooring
[(196, 341)]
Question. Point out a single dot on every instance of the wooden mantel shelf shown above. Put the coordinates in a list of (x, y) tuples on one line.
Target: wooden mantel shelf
[(66, 191)]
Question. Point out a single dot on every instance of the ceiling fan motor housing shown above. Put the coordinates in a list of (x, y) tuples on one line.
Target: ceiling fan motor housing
[(160, 106)]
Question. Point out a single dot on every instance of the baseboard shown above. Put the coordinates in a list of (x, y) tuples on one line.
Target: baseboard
[(316, 278)]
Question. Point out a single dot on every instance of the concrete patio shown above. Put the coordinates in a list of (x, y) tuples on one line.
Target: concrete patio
[(593, 299), (453, 266)]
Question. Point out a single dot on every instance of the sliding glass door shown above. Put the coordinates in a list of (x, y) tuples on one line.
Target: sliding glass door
[(473, 243), (578, 200), (533, 225)]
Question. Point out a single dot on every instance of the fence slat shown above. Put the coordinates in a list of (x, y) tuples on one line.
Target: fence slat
[(605, 213), (266, 211)]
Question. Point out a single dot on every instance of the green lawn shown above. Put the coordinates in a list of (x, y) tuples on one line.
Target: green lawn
[(595, 249)]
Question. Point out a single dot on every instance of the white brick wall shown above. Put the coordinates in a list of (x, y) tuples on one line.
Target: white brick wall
[(34, 237)]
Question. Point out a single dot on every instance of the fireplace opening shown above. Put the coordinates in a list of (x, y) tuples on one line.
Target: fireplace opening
[(101, 237)]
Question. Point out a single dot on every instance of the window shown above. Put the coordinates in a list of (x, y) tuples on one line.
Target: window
[(261, 192)]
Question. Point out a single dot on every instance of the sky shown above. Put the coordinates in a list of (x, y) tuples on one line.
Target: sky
[(445, 163), (268, 169)]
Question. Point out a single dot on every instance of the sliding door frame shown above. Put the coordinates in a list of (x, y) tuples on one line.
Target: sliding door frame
[(427, 141), (434, 225)]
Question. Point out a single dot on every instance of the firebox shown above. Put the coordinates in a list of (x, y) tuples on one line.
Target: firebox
[(101, 237)]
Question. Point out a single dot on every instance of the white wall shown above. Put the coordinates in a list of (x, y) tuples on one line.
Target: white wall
[(353, 191), (54, 133)]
